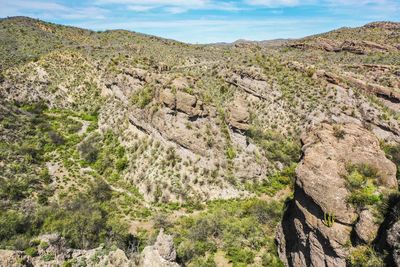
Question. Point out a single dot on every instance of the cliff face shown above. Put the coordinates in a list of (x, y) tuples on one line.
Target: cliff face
[(334, 209)]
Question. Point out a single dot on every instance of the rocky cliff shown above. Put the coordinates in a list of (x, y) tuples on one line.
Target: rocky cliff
[(340, 182)]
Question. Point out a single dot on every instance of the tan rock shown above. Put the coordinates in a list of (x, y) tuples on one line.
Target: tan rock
[(366, 228), (181, 83), (306, 237), (182, 102), (168, 98), (186, 102), (238, 115), (161, 254), (11, 258)]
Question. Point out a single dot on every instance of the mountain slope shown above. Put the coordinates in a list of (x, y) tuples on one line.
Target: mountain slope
[(146, 130)]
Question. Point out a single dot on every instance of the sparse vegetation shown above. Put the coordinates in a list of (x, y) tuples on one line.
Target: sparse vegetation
[(365, 256), (362, 182)]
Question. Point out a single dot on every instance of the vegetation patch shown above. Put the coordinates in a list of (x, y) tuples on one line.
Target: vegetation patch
[(241, 229), (362, 183)]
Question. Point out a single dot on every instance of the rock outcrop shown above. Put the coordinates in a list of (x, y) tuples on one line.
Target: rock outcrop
[(161, 254), (12, 258), (238, 115), (393, 240), (52, 251), (355, 47), (320, 222), (184, 102)]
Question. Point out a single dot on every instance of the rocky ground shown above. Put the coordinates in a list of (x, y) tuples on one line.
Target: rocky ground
[(144, 133)]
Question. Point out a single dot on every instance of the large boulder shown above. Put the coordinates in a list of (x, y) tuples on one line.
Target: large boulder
[(238, 115), (318, 224), (161, 254), (183, 102)]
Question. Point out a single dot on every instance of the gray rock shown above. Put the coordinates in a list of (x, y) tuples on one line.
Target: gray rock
[(161, 254), (366, 228), (393, 239)]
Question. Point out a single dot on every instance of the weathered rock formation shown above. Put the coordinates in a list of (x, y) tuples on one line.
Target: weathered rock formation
[(306, 238), (184, 102), (52, 251), (393, 239), (355, 47), (238, 115), (161, 254)]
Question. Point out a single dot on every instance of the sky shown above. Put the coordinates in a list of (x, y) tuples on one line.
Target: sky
[(209, 21)]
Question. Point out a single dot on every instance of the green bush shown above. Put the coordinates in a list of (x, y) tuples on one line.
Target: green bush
[(31, 251), (143, 97), (100, 190), (393, 153), (361, 181), (240, 228), (276, 146), (230, 152), (276, 181), (121, 164), (11, 224), (364, 256), (239, 255), (89, 149), (203, 262), (48, 257)]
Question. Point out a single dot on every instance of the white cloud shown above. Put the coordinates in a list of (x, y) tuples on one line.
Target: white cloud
[(181, 3), (176, 10), (50, 10), (173, 6), (273, 3), (139, 8)]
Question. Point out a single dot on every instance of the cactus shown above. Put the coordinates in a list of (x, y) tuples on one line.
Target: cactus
[(329, 219)]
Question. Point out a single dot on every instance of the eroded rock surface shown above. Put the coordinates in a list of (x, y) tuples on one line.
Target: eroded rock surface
[(305, 237), (161, 254), (238, 115)]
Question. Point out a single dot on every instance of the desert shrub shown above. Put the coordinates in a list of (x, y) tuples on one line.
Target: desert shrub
[(203, 262), (48, 257), (11, 223), (230, 152), (100, 190), (31, 251), (240, 256), (121, 164), (14, 189), (364, 256), (277, 147), (361, 182), (143, 97), (89, 149), (81, 223), (393, 153), (338, 132), (270, 258), (276, 181), (56, 138)]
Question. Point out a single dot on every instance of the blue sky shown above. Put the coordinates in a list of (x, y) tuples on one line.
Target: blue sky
[(205, 21)]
